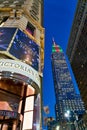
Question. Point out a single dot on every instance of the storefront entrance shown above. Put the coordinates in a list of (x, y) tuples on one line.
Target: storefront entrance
[(19, 105), (10, 124)]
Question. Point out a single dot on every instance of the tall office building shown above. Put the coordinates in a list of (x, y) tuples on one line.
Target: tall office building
[(69, 105), (77, 48), (21, 64)]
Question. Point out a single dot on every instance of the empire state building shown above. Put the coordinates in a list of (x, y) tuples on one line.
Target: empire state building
[(67, 100)]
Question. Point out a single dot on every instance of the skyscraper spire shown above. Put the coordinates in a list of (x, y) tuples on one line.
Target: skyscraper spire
[(55, 47), (53, 41)]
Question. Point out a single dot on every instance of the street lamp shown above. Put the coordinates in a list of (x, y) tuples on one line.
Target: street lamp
[(72, 118), (57, 127), (67, 114)]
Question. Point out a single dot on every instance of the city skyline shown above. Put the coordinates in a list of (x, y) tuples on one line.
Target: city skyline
[(30, 76), (58, 25)]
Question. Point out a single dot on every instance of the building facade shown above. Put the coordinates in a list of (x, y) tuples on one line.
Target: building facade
[(21, 64), (69, 104), (77, 48)]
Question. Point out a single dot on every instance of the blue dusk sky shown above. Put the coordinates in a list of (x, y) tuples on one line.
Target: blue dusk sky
[(58, 19)]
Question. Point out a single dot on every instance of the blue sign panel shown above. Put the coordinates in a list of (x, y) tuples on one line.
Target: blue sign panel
[(6, 35), (25, 49)]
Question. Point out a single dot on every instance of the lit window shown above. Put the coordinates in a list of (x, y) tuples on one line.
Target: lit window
[(28, 119), (29, 103)]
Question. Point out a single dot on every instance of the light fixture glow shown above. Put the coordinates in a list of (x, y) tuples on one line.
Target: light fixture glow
[(58, 127)]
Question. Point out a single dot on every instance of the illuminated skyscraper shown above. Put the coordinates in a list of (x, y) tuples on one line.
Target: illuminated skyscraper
[(21, 64), (68, 103)]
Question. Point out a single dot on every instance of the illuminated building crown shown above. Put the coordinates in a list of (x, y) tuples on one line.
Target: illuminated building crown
[(55, 47)]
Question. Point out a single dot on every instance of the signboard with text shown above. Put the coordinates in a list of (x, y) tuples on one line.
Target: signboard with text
[(20, 46), (10, 114), (20, 68), (25, 49)]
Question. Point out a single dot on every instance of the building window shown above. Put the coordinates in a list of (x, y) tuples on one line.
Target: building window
[(28, 114), (31, 29)]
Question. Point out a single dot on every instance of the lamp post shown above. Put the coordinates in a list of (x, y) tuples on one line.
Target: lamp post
[(72, 119), (58, 127), (67, 115)]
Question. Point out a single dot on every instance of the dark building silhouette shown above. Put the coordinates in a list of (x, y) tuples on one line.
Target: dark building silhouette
[(77, 48)]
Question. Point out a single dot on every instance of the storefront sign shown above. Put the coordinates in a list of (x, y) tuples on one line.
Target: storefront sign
[(10, 114), (20, 68)]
